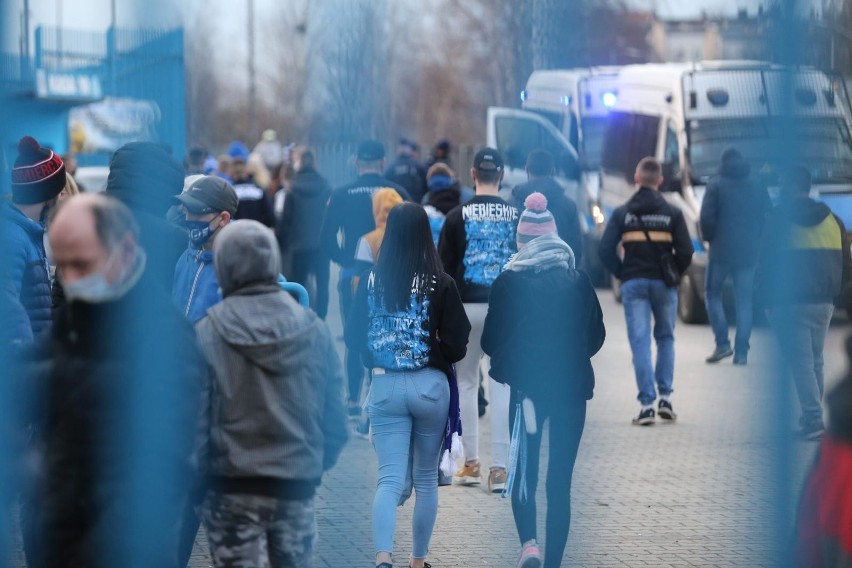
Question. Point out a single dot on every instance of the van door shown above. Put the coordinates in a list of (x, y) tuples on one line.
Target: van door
[(515, 133)]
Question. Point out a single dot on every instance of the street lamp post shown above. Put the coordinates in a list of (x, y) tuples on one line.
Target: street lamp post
[(252, 73)]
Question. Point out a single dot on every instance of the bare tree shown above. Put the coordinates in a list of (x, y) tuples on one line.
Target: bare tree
[(348, 63), (202, 80)]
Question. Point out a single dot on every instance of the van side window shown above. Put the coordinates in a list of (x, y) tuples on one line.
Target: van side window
[(518, 136), (672, 156), (629, 138)]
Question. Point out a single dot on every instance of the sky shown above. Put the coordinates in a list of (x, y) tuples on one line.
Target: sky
[(95, 14)]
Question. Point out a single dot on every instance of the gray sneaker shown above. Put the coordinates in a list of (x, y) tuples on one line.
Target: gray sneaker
[(719, 354)]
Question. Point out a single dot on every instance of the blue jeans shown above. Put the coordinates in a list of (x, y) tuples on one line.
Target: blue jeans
[(408, 412), (642, 297), (743, 279)]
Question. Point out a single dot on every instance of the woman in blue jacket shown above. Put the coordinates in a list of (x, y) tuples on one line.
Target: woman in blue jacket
[(409, 325)]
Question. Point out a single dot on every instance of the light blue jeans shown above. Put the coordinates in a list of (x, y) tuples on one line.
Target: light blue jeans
[(408, 412), (643, 297)]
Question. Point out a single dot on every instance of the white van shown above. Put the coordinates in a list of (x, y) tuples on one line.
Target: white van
[(687, 115), (565, 113)]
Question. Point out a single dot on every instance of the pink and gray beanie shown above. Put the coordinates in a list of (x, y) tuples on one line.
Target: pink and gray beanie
[(536, 220)]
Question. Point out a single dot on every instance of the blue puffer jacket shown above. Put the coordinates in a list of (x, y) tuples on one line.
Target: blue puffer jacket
[(25, 300), (196, 288)]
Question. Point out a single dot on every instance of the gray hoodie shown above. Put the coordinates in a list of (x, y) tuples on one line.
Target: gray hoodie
[(275, 412)]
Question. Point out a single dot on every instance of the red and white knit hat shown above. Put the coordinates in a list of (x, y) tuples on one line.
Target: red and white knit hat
[(38, 174), (536, 220)]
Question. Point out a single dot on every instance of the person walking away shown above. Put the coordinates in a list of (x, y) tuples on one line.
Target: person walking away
[(409, 325), (732, 216), (38, 177), (208, 206), (350, 213), (444, 194), (804, 257), (145, 177), (440, 153), (369, 245), (298, 230), (406, 171), (544, 324), (255, 203), (270, 150), (476, 242), (275, 417), (540, 168), (114, 392), (650, 229)]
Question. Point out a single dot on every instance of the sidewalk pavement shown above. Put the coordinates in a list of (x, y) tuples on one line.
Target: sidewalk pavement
[(693, 493)]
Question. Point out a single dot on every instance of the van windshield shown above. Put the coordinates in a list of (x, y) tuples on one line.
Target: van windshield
[(594, 128), (823, 145)]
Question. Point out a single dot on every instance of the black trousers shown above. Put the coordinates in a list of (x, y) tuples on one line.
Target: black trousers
[(303, 264), (566, 420), (354, 366)]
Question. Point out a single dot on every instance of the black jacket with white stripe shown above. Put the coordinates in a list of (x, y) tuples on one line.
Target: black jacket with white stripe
[(666, 227)]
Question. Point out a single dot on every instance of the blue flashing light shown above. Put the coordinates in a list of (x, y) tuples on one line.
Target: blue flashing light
[(524, 95), (609, 99)]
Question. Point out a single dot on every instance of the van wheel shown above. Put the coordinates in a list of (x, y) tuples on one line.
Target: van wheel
[(690, 308), (616, 288)]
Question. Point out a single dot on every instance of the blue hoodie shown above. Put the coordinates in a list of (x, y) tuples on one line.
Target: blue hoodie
[(196, 288)]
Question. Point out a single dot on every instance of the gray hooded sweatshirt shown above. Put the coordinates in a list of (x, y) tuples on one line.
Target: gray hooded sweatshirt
[(276, 419)]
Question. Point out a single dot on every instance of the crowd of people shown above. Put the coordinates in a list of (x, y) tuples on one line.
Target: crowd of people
[(164, 378)]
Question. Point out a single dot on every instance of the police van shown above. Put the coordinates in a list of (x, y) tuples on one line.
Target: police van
[(687, 115), (564, 112)]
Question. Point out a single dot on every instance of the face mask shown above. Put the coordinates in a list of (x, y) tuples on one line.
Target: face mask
[(199, 231), (94, 287)]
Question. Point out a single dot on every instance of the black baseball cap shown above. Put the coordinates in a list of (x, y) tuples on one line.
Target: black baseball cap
[(488, 159), (209, 194), (370, 151)]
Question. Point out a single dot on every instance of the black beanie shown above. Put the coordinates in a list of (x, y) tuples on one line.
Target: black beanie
[(38, 174)]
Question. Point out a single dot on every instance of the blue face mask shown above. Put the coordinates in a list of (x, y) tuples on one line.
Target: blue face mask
[(95, 289), (199, 231)]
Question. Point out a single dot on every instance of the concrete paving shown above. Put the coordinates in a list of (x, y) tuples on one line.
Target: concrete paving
[(704, 491)]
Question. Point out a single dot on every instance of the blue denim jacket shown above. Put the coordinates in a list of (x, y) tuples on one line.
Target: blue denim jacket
[(196, 288)]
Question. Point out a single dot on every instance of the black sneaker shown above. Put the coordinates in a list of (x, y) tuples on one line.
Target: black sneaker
[(645, 418), (719, 354), (665, 410), (741, 359)]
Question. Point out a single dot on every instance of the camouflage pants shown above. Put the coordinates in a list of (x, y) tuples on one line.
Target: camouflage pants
[(251, 531)]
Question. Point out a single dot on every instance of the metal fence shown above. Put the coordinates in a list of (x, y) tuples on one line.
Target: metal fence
[(136, 64)]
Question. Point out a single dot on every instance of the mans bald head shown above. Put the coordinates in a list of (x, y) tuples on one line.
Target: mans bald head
[(87, 232)]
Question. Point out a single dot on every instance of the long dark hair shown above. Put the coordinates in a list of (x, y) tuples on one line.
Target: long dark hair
[(407, 259)]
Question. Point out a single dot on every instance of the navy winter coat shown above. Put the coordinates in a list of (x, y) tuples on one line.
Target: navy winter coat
[(25, 297), (732, 215)]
